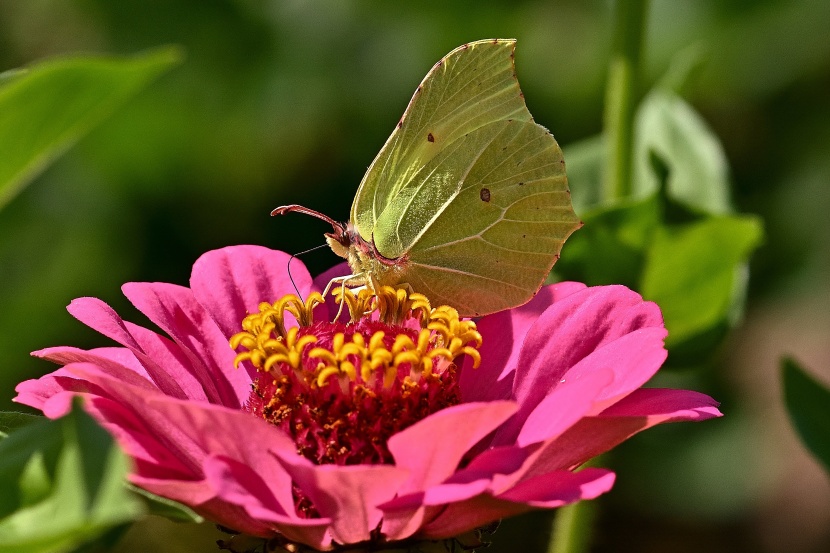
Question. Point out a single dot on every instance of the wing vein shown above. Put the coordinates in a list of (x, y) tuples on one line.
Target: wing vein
[(453, 196), (469, 274), (500, 219)]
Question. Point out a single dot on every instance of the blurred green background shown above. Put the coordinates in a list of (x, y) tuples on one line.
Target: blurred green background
[(288, 102)]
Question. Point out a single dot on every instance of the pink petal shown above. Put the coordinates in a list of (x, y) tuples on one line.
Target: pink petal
[(570, 330), (194, 433), (231, 282), (462, 485), (217, 431), (235, 517), (503, 335), (486, 478), (558, 488), (493, 461), (64, 355), (348, 495), (404, 515), (151, 457), (399, 524), (175, 310), (432, 448), (564, 406), (458, 518), (242, 485), (452, 492), (592, 436), (199, 496), (101, 317), (138, 399), (197, 380), (175, 372), (53, 393), (633, 360), (551, 490), (192, 493), (185, 431), (661, 405)]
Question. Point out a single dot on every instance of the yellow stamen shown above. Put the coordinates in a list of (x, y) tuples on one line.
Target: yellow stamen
[(442, 338), (360, 305), (269, 323), (303, 311), (395, 305)]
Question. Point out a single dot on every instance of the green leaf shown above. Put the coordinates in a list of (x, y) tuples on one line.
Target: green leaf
[(11, 420), (670, 131), (48, 107), (585, 162), (62, 486), (11, 74), (683, 68), (808, 403), (610, 248), (167, 508), (696, 273)]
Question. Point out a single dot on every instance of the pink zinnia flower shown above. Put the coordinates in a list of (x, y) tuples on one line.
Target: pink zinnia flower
[(379, 430)]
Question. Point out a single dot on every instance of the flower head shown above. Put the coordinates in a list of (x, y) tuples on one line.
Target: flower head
[(379, 420), (342, 390)]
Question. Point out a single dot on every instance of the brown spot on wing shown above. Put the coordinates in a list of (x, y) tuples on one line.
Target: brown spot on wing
[(430, 138), (485, 194)]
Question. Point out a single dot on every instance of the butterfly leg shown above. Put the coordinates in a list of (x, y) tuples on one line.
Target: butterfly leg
[(339, 279), (358, 280)]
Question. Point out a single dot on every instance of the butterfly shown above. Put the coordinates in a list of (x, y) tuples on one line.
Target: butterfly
[(468, 201)]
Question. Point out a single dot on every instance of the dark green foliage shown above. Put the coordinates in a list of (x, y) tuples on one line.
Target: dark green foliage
[(68, 472), (808, 402)]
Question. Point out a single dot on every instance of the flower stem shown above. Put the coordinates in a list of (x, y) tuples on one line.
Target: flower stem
[(572, 528), (572, 524), (620, 96)]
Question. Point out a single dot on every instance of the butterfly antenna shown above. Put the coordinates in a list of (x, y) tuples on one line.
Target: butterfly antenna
[(298, 254)]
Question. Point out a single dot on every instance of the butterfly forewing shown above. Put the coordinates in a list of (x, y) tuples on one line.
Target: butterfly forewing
[(474, 85), (420, 202)]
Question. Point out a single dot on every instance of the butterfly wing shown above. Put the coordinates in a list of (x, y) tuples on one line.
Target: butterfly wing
[(468, 192), (493, 243), (470, 87)]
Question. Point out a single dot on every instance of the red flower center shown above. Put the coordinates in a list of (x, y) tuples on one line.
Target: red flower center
[(342, 390)]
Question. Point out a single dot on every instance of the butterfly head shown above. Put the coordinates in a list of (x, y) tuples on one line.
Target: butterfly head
[(363, 257)]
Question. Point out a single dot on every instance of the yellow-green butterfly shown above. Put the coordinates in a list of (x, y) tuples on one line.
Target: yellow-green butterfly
[(467, 202)]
